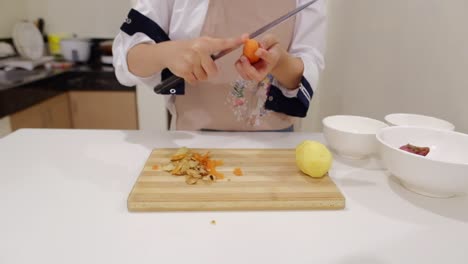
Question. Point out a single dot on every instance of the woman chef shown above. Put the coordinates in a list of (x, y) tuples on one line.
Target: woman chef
[(164, 37)]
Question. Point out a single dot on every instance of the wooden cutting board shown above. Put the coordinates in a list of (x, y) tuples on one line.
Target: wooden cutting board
[(271, 181)]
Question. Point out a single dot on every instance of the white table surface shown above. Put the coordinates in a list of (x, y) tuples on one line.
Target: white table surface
[(63, 200)]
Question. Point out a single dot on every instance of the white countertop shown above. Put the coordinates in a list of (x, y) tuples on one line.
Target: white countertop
[(63, 200)]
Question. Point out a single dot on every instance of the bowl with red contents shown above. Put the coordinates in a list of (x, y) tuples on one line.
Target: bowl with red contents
[(431, 162)]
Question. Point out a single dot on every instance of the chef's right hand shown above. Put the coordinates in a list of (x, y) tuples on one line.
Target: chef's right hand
[(191, 59)]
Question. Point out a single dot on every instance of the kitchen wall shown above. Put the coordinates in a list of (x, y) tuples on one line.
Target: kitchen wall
[(395, 56), (11, 11), (87, 18), (5, 127)]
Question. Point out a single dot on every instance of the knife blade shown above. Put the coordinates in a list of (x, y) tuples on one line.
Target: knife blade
[(174, 81)]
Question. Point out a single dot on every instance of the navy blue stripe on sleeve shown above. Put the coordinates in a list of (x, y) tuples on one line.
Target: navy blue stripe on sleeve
[(297, 106), (136, 22)]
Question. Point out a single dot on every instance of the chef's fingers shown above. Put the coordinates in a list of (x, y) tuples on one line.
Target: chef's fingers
[(266, 55), (244, 64), (250, 70), (197, 69), (244, 37), (216, 45), (268, 41), (200, 73), (241, 71), (190, 78), (209, 66)]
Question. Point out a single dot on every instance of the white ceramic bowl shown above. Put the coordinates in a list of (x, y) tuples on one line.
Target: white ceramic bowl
[(352, 137), (419, 121), (442, 173)]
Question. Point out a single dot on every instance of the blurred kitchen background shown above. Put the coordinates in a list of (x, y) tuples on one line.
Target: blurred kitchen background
[(382, 57)]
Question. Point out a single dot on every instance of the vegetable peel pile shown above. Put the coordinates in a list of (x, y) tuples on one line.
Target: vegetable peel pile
[(194, 166)]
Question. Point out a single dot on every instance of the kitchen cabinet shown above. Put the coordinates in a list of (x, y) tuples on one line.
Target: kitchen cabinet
[(104, 109), (52, 113)]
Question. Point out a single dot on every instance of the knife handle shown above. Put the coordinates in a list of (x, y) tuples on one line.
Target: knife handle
[(168, 84)]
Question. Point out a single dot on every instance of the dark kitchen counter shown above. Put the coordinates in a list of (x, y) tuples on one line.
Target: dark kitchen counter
[(43, 84)]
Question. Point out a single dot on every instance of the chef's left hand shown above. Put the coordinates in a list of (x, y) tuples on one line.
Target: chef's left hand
[(270, 53)]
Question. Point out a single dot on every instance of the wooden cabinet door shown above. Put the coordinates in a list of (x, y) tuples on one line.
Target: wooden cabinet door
[(104, 110), (57, 112), (52, 113), (31, 117)]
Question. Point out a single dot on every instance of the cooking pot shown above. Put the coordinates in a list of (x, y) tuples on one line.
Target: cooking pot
[(76, 50)]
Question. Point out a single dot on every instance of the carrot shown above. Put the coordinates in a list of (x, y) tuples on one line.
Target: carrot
[(211, 168), (197, 156), (250, 48), (202, 159), (218, 163), (238, 172), (218, 175), (155, 167)]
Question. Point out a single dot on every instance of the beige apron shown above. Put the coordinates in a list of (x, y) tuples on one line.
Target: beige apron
[(212, 104)]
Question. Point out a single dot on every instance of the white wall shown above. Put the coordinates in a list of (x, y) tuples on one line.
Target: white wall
[(87, 18), (11, 11), (5, 127), (396, 56), (152, 114), (327, 100)]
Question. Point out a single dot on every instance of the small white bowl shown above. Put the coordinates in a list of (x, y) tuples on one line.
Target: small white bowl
[(442, 173), (418, 121), (352, 137)]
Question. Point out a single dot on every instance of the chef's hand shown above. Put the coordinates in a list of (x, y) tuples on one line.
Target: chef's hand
[(269, 53), (192, 60), (274, 60), (189, 59)]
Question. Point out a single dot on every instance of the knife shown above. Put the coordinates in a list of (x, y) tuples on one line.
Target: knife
[(174, 81)]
